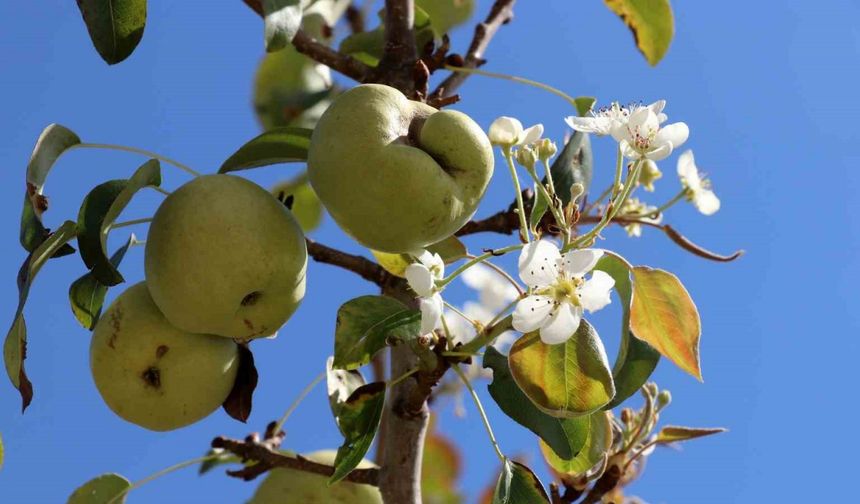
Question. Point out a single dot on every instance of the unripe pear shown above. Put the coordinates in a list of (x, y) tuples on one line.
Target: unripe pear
[(290, 486), (225, 257), (153, 374), (287, 89), (395, 174)]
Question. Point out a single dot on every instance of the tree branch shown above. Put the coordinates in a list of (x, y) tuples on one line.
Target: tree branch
[(365, 268), (312, 48), (399, 57), (501, 13), (268, 458)]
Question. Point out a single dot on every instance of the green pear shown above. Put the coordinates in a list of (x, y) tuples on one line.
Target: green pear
[(153, 374), (289, 486), (290, 89), (224, 256), (395, 174)]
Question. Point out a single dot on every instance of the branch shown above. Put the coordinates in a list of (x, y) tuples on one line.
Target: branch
[(268, 458), (501, 13), (397, 68), (310, 47), (365, 268)]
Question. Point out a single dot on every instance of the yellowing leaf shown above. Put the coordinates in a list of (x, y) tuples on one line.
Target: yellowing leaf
[(567, 380), (664, 316), (450, 249), (675, 433), (651, 22)]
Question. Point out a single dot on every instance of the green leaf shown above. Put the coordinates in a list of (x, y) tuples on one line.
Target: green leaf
[(279, 145), (565, 436), (664, 316), (1, 452), (538, 209), (584, 104), (115, 26), (567, 380), (103, 489), (52, 143), (651, 22), (573, 165), (15, 345), (359, 421), (366, 324), (306, 206), (282, 20), (519, 485), (594, 452), (677, 433), (340, 385), (100, 209), (87, 294), (446, 14), (636, 359)]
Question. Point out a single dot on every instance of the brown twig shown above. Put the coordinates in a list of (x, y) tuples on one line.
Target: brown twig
[(365, 268), (501, 13), (267, 456), (312, 48), (355, 19), (604, 485)]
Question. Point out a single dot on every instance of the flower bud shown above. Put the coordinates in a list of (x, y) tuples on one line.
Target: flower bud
[(505, 131), (546, 149), (651, 389), (626, 415), (664, 398), (576, 190), (527, 157), (649, 174)]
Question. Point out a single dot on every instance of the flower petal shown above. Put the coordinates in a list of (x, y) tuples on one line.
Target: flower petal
[(538, 263), (706, 201), (659, 152), (531, 313), (675, 134), (420, 279), (505, 131), (563, 323), (595, 293), (431, 312), (687, 171), (577, 263), (531, 135)]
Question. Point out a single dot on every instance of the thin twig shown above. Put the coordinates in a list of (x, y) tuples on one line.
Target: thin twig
[(269, 458), (501, 12)]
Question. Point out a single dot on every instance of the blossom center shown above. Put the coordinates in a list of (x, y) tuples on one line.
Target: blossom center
[(567, 290)]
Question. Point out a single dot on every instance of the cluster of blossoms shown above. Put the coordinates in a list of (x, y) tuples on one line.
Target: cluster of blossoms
[(561, 287)]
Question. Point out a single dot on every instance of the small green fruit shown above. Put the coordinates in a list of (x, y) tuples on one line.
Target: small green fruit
[(288, 486), (395, 174), (153, 374), (290, 90), (225, 257)]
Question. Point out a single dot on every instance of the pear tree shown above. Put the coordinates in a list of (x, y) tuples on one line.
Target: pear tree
[(402, 169)]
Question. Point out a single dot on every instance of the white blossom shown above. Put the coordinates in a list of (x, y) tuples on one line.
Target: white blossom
[(422, 277), (643, 136), (698, 188), (559, 290), (508, 132), (603, 120)]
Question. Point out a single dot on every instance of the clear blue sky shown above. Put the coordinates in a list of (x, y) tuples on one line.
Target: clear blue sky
[(768, 90)]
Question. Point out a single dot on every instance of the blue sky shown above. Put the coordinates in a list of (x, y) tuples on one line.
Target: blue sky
[(768, 90)]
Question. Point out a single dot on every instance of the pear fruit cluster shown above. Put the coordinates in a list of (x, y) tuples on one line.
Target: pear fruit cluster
[(395, 174), (225, 263), (290, 486)]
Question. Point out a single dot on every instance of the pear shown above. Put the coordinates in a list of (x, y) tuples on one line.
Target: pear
[(395, 174), (224, 256), (153, 374), (290, 486)]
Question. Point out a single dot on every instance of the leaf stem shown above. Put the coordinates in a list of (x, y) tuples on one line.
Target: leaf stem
[(480, 410), (395, 381), (521, 210), (142, 152), (478, 259), (304, 393), (182, 465), (159, 189), (503, 273), (521, 80)]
